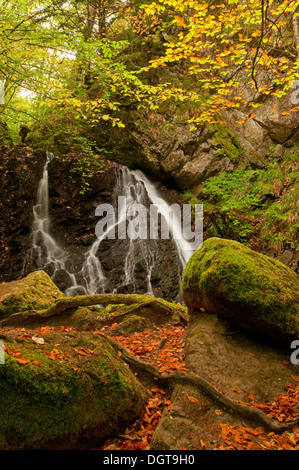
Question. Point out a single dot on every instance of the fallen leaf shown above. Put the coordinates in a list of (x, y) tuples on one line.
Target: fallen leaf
[(203, 446), (193, 399), (85, 352), (22, 360), (38, 340)]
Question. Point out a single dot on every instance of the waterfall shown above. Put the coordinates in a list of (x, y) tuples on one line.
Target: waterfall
[(134, 192), (184, 248), (47, 253), (138, 256)]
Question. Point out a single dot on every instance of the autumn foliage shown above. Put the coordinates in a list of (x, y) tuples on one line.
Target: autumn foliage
[(164, 347)]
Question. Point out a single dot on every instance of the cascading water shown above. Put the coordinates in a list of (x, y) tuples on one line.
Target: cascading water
[(184, 247), (48, 255), (138, 256), (134, 192)]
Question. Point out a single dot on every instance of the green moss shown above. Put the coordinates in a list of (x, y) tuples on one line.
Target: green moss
[(60, 399), (227, 142), (235, 201), (158, 444), (229, 272), (34, 292)]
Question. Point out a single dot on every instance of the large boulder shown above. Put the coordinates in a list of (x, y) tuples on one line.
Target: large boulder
[(257, 293), (63, 389), (35, 291)]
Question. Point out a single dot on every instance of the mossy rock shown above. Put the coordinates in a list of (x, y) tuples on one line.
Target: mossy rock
[(64, 400), (36, 291), (257, 293)]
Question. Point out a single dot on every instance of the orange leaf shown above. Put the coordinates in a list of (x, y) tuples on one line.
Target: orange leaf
[(218, 412), (85, 352), (22, 360), (202, 444), (193, 399), (180, 21), (7, 350)]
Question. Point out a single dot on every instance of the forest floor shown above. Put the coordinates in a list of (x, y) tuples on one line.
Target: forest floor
[(145, 345), (242, 368)]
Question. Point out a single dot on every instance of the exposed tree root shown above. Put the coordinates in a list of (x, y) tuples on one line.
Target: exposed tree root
[(250, 413), (68, 303)]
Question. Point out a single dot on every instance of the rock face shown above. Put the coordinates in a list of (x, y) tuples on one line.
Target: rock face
[(180, 157), (72, 226), (20, 171), (163, 143), (36, 291), (254, 291)]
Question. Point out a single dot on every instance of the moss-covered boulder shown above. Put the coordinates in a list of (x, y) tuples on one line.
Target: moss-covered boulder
[(36, 291), (254, 291), (70, 391)]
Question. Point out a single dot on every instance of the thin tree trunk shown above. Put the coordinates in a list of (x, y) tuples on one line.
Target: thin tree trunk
[(296, 31)]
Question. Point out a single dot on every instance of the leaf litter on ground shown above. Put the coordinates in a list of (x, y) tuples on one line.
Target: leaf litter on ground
[(146, 345)]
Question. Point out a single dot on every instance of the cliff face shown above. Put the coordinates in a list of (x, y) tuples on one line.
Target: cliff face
[(20, 171), (163, 144), (63, 251)]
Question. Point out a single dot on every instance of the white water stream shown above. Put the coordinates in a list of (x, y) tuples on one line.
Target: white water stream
[(135, 188), (184, 247), (44, 248)]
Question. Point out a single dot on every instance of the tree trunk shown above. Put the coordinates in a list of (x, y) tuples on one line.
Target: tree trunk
[(296, 32)]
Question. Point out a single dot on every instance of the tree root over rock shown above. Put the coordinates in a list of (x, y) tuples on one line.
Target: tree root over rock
[(248, 412), (68, 304)]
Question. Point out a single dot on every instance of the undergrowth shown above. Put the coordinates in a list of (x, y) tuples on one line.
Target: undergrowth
[(255, 206)]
